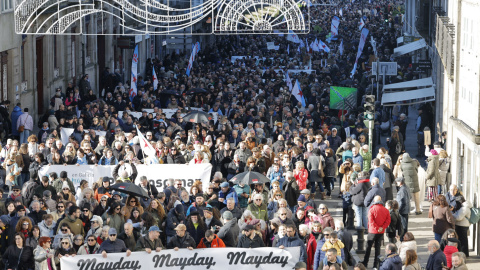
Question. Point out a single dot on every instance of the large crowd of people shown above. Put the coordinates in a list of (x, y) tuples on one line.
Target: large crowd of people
[(308, 153)]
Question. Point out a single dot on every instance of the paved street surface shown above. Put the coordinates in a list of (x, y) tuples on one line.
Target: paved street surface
[(420, 226)]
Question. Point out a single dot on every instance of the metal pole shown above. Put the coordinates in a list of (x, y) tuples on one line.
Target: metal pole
[(370, 133)]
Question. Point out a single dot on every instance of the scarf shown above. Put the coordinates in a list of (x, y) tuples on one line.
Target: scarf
[(49, 261)]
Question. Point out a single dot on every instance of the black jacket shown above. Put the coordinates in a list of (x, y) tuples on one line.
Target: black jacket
[(247, 242), (144, 242), (176, 159), (12, 261), (436, 260), (182, 242), (359, 191)]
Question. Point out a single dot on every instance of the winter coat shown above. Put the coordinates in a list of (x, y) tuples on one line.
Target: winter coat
[(378, 217), (247, 242), (326, 221), (448, 251), (330, 167), (395, 224), (76, 225), (46, 230), (462, 214), (404, 246), (40, 255), (197, 233), (294, 242), (444, 167), (311, 247), (11, 258), (17, 111), (403, 199), (291, 192), (367, 160), (172, 221), (259, 212), (433, 174), (442, 218), (392, 262), (216, 243), (374, 191), (436, 260), (410, 173), (312, 166), (229, 232), (116, 246), (359, 191), (302, 177), (144, 242), (463, 266), (84, 250), (116, 221), (182, 242)]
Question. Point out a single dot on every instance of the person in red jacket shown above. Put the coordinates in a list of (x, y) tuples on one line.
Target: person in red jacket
[(450, 248), (378, 222), (301, 175), (310, 242), (211, 240)]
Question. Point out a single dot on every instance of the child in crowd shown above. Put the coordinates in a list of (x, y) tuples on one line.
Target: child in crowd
[(333, 242), (347, 205)]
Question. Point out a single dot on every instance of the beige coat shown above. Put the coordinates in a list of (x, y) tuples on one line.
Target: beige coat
[(433, 174)]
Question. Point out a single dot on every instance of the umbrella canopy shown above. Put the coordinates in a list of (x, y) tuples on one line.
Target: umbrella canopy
[(249, 178), (130, 188), (170, 92), (196, 91), (197, 117)]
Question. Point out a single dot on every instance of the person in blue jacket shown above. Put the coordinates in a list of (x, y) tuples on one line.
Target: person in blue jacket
[(227, 192), (292, 240), (17, 111)]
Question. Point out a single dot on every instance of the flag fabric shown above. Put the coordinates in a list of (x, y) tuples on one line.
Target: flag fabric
[(374, 45), (334, 27), (288, 81), (288, 49), (323, 46), (361, 24), (341, 12), (133, 80), (298, 49), (154, 79), (314, 46), (293, 37), (340, 48), (308, 46), (147, 148), (298, 94), (302, 44), (361, 44), (195, 50)]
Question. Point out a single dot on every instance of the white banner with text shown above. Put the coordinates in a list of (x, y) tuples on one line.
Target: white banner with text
[(157, 174), (184, 259)]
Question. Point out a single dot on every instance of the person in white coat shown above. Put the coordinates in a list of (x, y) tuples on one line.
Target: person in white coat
[(44, 255), (462, 224), (408, 243)]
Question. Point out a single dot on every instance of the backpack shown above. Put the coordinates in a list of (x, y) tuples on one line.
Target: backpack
[(398, 148), (474, 215)]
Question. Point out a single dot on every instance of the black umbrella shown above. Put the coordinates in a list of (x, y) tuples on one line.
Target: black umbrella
[(196, 91), (197, 117), (170, 92), (131, 189), (249, 178)]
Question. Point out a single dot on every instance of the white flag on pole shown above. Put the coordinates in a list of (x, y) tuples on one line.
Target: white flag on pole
[(147, 148), (361, 24), (298, 94)]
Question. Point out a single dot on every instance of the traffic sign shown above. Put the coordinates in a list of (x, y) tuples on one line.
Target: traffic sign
[(391, 68)]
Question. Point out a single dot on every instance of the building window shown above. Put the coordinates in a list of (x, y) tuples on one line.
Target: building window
[(7, 5)]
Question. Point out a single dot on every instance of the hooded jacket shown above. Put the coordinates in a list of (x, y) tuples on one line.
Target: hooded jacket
[(76, 225), (17, 111), (216, 243), (433, 174), (392, 262), (410, 173)]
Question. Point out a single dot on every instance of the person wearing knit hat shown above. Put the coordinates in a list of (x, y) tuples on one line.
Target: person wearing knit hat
[(58, 184), (432, 175), (96, 226)]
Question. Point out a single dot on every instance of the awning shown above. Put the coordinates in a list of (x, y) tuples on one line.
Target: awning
[(409, 97), (410, 47), (410, 84)]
